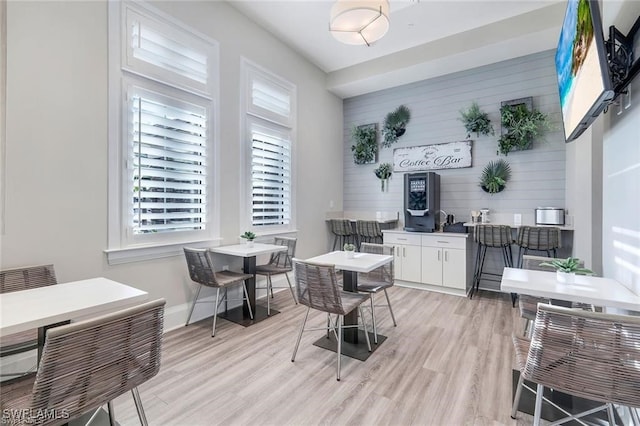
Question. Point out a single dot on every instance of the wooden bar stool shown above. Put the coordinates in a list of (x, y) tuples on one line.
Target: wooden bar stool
[(491, 236), (537, 238)]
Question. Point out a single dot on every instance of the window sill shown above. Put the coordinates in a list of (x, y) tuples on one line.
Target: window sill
[(156, 251)]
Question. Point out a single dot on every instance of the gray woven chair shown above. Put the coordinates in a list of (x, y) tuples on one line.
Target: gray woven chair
[(279, 263), (590, 355), (537, 238), (318, 289), (368, 231), (202, 271), (491, 236), (16, 280), (380, 279), (89, 363), (342, 231)]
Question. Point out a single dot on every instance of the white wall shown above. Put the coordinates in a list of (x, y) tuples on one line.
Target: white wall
[(56, 148)]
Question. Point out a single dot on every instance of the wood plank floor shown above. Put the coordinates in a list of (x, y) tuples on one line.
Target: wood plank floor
[(448, 362)]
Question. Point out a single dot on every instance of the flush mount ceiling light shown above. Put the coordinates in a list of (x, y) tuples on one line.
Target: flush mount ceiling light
[(359, 21)]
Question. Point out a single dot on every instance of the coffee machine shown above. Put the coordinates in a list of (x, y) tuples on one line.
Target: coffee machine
[(421, 202)]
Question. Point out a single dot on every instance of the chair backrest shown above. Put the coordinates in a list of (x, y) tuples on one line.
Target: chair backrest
[(492, 235), (89, 363), (538, 237), (317, 286), (587, 354), (26, 278), (341, 227), (533, 262), (282, 259), (201, 267), (384, 273), (368, 228)]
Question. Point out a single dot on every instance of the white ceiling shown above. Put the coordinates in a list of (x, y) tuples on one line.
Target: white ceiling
[(426, 38)]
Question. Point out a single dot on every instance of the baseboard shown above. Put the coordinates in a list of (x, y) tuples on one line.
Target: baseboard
[(427, 287)]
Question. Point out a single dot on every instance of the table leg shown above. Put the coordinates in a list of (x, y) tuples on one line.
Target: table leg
[(350, 283), (249, 267)]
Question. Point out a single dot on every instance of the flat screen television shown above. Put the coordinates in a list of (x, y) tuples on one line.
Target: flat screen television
[(581, 65)]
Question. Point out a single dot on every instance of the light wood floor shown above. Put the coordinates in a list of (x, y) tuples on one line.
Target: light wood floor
[(448, 362)]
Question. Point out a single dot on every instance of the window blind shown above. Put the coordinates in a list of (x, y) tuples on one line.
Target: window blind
[(271, 97), (168, 152)]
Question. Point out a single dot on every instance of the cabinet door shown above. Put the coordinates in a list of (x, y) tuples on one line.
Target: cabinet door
[(454, 270), (432, 265), (411, 263)]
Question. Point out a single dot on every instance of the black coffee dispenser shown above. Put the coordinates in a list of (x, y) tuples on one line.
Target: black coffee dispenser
[(421, 202)]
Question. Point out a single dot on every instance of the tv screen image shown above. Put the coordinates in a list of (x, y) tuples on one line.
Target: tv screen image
[(581, 64)]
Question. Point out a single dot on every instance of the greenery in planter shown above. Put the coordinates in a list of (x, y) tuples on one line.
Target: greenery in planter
[(570, 265), (394, 125), (522, 125), (349, 247), (383, 172), (476, 121), (366, 144), (249, 236), (495, 176)]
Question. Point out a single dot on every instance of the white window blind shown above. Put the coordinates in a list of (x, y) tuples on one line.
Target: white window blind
[(168, 157), (270, 176)]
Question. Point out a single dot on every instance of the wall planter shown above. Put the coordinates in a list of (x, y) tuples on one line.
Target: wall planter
[(383, 172), (476, 121), (394, 125), (495, 176), (366, 144), (521, 125)]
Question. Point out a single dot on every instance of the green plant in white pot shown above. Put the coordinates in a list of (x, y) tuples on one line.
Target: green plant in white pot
[(566, 269), (249, 236), (349, 249)]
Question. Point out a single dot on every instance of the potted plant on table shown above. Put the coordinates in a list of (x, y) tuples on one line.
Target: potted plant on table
[(349, 249), (566, 269), (249, 236)]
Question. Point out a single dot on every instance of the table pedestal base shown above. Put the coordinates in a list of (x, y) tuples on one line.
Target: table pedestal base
[(237, 315), (352, 350)]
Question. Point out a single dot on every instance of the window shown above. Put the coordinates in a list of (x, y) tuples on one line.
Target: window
[(270, 124), (163, 80)]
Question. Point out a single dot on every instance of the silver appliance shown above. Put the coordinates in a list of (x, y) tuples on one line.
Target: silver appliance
[(549, 216)]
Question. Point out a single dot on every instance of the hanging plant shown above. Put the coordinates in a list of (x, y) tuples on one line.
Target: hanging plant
[(394, 125), (495, 176), (476, 121), (521, 125), (366, 144), (383, 172)]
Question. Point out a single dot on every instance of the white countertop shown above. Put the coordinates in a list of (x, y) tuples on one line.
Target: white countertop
[(561, 227), (438, 233)]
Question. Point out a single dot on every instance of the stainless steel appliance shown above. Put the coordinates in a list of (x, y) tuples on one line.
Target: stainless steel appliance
[(549, 216)]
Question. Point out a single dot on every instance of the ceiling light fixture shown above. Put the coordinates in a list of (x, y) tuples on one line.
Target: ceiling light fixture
[(359, 21)]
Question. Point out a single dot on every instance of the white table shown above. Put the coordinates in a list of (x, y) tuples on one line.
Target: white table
[(241, 315), (45, 307), (361, 262), (597, 291)]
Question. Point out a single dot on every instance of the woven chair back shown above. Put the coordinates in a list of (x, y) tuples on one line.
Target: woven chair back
[(317, 286), (282, 259), (27, 278), (587, 354), (384, 273), (493, 235), (89, 363), (368, 228), (200, 265), (538, 238), (341, 227)]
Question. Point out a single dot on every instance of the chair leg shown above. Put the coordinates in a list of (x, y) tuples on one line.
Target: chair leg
[(339, 351), (393, 318), (112, 414), (366, 332), (634, 415), (269, 298), (293, 294), (246, 295), (610, 415), (193, 304), (295, 349), (270, 285), (538, 410), (373, 320), (328, 324), (139, 407), (516, 399), (215, 312)]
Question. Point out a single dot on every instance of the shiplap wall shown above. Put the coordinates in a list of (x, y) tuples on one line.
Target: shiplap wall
[(538, 175)]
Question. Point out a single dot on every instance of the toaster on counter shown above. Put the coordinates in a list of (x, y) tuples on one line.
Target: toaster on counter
[(549, 216)]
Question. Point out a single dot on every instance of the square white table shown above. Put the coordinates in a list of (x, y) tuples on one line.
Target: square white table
[(361, 262), (46, 307), (597, 291), (240, 315)]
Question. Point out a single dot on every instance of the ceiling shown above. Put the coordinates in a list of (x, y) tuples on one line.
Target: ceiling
[(426, 38)]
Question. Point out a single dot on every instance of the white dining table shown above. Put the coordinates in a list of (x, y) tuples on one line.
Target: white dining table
[(248, 253), (597, 291), (45, 307), (353, 346)]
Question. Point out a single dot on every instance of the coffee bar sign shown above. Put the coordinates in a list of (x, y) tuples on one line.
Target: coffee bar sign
[(452, 155)]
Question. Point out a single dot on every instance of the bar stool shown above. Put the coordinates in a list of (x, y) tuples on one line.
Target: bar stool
[(368, 231), (342, 231), (537, 238), (491, 236)]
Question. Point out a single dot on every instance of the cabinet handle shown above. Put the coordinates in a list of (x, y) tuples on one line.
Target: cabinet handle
[(446, 256), (402, 239), (404, 252), (438, 255), (443, 242)]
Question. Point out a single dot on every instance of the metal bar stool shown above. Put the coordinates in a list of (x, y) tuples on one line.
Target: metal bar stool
[(342, 231), (537, 238), (368, 231), (491, 236)]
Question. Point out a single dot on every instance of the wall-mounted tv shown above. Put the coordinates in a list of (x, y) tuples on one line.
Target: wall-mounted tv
[(581, 65)]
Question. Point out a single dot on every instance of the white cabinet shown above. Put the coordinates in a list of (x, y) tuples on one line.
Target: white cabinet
[(407, 255)]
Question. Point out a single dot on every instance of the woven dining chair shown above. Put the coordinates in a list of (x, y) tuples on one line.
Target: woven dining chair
[(342, 231), (19, 279), (590, 355), (318, 289), (491, 236), (368, 231), (380, 279), (538, 238), (202, 271), (279, 263), (88, 364)]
